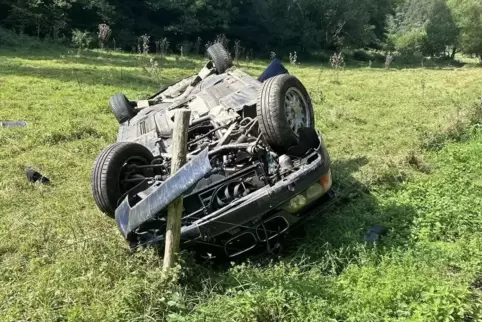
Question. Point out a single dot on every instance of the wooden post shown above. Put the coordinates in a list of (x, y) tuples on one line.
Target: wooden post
[(174, 212)]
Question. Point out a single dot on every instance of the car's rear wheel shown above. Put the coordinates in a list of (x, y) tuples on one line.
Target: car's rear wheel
[(122, 108), (113, 173), (284, 108), (220, 58)]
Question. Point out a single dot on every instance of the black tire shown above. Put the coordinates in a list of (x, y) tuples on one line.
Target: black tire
[(271, 112), (220, 58), (122, 108), (105, 178)]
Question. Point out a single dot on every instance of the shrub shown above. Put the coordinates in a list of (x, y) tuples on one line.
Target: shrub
[(412, 43), (9, 38), (143, 44), (197, 46), (293, 58), (162, 47), (81, 39), (237, 50), (223, 40)]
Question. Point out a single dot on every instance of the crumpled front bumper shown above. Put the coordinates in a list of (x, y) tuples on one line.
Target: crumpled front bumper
[(245, 212), (268, 200)]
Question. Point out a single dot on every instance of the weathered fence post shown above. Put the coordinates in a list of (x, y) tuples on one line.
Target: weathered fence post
[(174, 212)]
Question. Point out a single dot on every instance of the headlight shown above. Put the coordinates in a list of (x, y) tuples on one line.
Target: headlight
[(314, 192), (295, 204), (310, 195)]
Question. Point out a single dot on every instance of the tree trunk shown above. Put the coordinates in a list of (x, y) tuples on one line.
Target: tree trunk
[(38, 28), (454, 51)]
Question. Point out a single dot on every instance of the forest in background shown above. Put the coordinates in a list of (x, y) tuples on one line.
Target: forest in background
[(408, 27)]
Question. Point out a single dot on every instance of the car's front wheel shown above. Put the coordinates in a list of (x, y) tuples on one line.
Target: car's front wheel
[(115, 173), (284, 108)]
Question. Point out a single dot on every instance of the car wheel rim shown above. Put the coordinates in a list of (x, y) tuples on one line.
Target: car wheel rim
[(127, 173), (296, 109)]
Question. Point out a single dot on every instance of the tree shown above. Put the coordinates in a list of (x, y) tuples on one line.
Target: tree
[(267, 25), (423, 27), (442, 32), (468, 17), (38, 17)]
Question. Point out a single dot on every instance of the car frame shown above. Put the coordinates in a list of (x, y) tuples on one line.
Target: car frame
[(256, 169)]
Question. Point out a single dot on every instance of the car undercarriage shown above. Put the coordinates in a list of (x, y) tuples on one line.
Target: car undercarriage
[(256, 167)]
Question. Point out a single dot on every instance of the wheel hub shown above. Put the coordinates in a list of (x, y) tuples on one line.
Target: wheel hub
[(296, 109), (127, 173)]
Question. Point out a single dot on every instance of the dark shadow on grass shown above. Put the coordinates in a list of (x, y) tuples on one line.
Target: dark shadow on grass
[(346, 220), (328, 243), (339, 228)]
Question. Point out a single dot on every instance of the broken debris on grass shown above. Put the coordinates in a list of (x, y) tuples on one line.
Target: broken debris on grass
[(34, 176), (6, 124), (374, 233)]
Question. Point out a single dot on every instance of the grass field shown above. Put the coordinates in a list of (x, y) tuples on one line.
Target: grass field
[(406, 145)]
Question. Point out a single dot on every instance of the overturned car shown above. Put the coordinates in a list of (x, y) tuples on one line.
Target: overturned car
[(256, 166)]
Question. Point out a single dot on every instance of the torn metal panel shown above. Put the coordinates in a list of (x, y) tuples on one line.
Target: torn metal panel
[(6, 124), (239, 99), (129, 218)]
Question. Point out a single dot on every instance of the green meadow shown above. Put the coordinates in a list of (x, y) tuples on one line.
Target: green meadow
[(406, 147)]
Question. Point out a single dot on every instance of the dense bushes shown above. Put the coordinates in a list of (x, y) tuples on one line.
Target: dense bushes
[(411, 27), (283, 26)]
